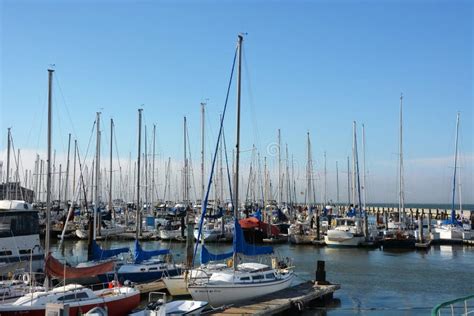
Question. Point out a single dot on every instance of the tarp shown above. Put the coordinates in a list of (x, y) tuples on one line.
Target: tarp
[(241, 246), (140, 255), (54, 268), (206, 256), (102, 254), (252, 222)]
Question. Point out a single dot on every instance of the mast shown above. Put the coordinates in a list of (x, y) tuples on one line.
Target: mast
[(363, 167), (325, 181), (308, 171), (48, 166), (453, 212), (74, 168), (8, 164), (237, 143), (146, 169), (348, 184), (153, 168), (97, 178), (401, 197), (280, 191), (337, 183), (354, 162), (137, 215), (202, 153), (185, 172), (66, 187), (111, 205)]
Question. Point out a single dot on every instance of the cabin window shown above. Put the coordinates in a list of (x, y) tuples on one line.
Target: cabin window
[(5, 253), (74, 296), (25, 251), (257, 277), (18, 223), (153, 269), (142, 269), (269, 276), (245, 278)]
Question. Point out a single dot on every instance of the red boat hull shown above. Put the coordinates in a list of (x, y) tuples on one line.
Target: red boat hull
[(120, 307)]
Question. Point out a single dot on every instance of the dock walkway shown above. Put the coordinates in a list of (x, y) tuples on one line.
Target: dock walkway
[(293, 298)]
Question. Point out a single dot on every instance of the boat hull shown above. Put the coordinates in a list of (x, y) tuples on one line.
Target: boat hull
[(225, 294), (139, 277), (120, 307)]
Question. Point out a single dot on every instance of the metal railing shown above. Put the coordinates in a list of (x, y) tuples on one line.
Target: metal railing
[(459, 306)]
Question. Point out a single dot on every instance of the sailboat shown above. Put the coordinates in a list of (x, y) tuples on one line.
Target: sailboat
[(400, 236), (452, 229), (245, 280)]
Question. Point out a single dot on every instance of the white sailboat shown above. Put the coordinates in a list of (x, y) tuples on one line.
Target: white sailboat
[(452, 229), (246, 280)]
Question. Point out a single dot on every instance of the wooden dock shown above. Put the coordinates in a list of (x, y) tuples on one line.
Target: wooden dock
[(291, 299), (155, 286)]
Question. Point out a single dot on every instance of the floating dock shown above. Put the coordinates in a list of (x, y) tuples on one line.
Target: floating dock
[(289, 300)]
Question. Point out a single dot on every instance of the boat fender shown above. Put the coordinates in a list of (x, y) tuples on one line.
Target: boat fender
[(26, 278)]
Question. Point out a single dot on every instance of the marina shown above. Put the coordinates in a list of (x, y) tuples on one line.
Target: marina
[(147, 170)]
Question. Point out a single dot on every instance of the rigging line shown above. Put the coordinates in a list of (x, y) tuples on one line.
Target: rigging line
[(228, 173), (58, 120), (118, 161), (191, 165), (201, 220), (56, 78), (251, 101), (44, 107)]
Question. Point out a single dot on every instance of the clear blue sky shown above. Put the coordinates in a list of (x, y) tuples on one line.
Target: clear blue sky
[(309, 65)]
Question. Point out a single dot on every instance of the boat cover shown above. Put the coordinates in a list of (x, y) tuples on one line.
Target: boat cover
[(55, 268)]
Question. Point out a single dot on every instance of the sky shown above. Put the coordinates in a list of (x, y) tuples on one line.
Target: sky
[(308, 66)]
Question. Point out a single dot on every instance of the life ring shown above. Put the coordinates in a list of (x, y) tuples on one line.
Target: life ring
[(26, 278)]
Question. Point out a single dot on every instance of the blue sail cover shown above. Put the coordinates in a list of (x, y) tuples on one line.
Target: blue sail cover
[(101, 254), (139, 254), (206, 256), (241, 246), (257, 215)]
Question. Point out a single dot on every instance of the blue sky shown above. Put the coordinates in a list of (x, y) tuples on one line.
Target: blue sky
[(309, 65)]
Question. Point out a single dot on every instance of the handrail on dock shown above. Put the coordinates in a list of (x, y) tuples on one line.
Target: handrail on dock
[(436, 311)]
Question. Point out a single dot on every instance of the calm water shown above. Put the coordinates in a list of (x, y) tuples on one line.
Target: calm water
[(372, 282)]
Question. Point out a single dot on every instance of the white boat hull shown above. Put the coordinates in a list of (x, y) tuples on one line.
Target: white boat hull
[(225, 294), (342, 239)]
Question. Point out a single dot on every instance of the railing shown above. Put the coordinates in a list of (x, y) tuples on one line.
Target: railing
[(459, 306)]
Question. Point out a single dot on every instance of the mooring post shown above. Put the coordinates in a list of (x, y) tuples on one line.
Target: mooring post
[(385, 215), (321, 273), (318, 230), (429, 222), (420, 225)]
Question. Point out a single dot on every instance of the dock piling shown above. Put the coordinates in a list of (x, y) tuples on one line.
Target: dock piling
[(321, 273)]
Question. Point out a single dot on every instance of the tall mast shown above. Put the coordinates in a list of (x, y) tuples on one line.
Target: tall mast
[(325, 180), (185, 172), (221, 172), (48, 166), (111, 204), (308, 171), (348, 183), (363, 167), (66, 187), (453, 213), (337, 183), (146, 168), (74, 168), (280, 191), (153, 168), (288, 180), (237, 143), (202, 152), (8, 163), (354, 162), (401, 197), (137, 215), (97, 177)]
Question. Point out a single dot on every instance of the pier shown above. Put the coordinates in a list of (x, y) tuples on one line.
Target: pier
[(291, 299)]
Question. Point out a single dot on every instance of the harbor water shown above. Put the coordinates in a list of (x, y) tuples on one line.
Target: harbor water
[(373, 282)]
